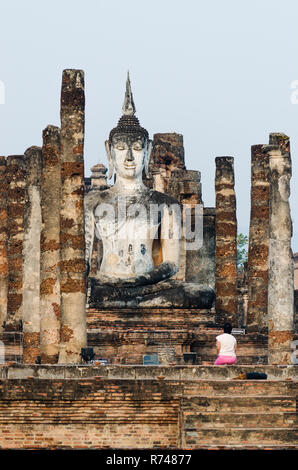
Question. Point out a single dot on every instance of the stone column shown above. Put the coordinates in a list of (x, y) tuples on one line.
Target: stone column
[(31, 257), (281, 273), (3, 241), (257, 275), (225, 242), (50, 246), (72, 238), (16, 194)]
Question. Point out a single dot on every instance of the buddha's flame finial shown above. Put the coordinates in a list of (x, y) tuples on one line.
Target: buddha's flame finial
[(128, 107)]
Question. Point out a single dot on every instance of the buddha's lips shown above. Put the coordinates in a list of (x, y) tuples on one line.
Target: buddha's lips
[(130, 166)]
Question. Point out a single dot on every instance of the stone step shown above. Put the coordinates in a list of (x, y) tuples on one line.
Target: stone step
[(239, 420), (233, 436), (260, 388), (241, 360), (240, 403), (185, 373)]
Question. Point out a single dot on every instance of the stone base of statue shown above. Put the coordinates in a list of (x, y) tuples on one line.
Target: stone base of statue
[(128, 325), (168, 293), (128, 335)]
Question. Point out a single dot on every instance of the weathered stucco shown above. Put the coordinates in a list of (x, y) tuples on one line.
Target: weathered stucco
[(50, 246), (31, 257), (281, 270)]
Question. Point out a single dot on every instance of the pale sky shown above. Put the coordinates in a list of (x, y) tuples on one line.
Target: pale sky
[(218, 71)]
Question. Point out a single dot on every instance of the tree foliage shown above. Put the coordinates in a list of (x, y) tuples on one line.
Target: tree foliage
[(242, 250)]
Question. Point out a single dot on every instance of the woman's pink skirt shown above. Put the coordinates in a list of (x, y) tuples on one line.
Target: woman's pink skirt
[(222, 360)]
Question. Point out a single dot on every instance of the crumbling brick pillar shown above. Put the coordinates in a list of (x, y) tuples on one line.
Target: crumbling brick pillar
[(257, 275), (281, 272), (225, 242), (31, 257), (3, 241), (16, 195), (50, 246), (72, 238)]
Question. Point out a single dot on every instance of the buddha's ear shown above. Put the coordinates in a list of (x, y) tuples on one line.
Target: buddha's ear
[(110, 159), (148, 152)]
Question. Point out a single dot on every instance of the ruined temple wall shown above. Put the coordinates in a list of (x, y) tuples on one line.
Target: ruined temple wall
[(200, 266), (168, 174)]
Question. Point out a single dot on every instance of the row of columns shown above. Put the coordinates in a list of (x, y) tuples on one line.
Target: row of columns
[(270, 273), (41, 205), (42, 270)]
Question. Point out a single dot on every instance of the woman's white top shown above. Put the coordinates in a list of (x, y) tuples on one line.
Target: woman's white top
[(227, 344)]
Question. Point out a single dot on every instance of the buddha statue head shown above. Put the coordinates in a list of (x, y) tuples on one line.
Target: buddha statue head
[(129, 147)]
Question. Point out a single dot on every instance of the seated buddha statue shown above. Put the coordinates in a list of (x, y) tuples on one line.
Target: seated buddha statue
[(130, 220)]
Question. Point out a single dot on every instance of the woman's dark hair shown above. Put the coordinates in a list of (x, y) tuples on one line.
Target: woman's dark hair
[(227, 328)]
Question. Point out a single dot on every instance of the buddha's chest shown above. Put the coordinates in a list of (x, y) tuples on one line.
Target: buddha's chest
[(135, 224), (127, 241)]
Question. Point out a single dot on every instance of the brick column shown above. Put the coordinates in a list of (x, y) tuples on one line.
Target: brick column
[(31, 257), (257, 275), (72, 239), (50, 246), (225, 242), (281, 273), (3, 241), (15, 232)]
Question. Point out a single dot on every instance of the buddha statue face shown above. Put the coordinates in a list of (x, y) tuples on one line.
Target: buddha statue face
[(128, 154), (129, 147)]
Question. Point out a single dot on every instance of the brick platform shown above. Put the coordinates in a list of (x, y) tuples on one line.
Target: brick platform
[(194, 407), (125, 335)]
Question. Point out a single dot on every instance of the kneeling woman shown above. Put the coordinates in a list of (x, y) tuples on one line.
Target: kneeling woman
[(226, 347)]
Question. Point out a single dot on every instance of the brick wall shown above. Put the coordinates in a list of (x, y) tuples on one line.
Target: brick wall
[(144, 407), (125, 335)]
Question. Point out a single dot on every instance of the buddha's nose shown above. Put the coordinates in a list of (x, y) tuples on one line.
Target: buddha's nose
[(129, 155)]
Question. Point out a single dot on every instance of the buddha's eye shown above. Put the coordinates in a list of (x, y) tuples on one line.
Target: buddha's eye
[(137, 146), (120, 146)]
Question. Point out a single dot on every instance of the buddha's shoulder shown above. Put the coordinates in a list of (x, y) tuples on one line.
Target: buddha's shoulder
[(99, 196), (161, 198), (95, 197)]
